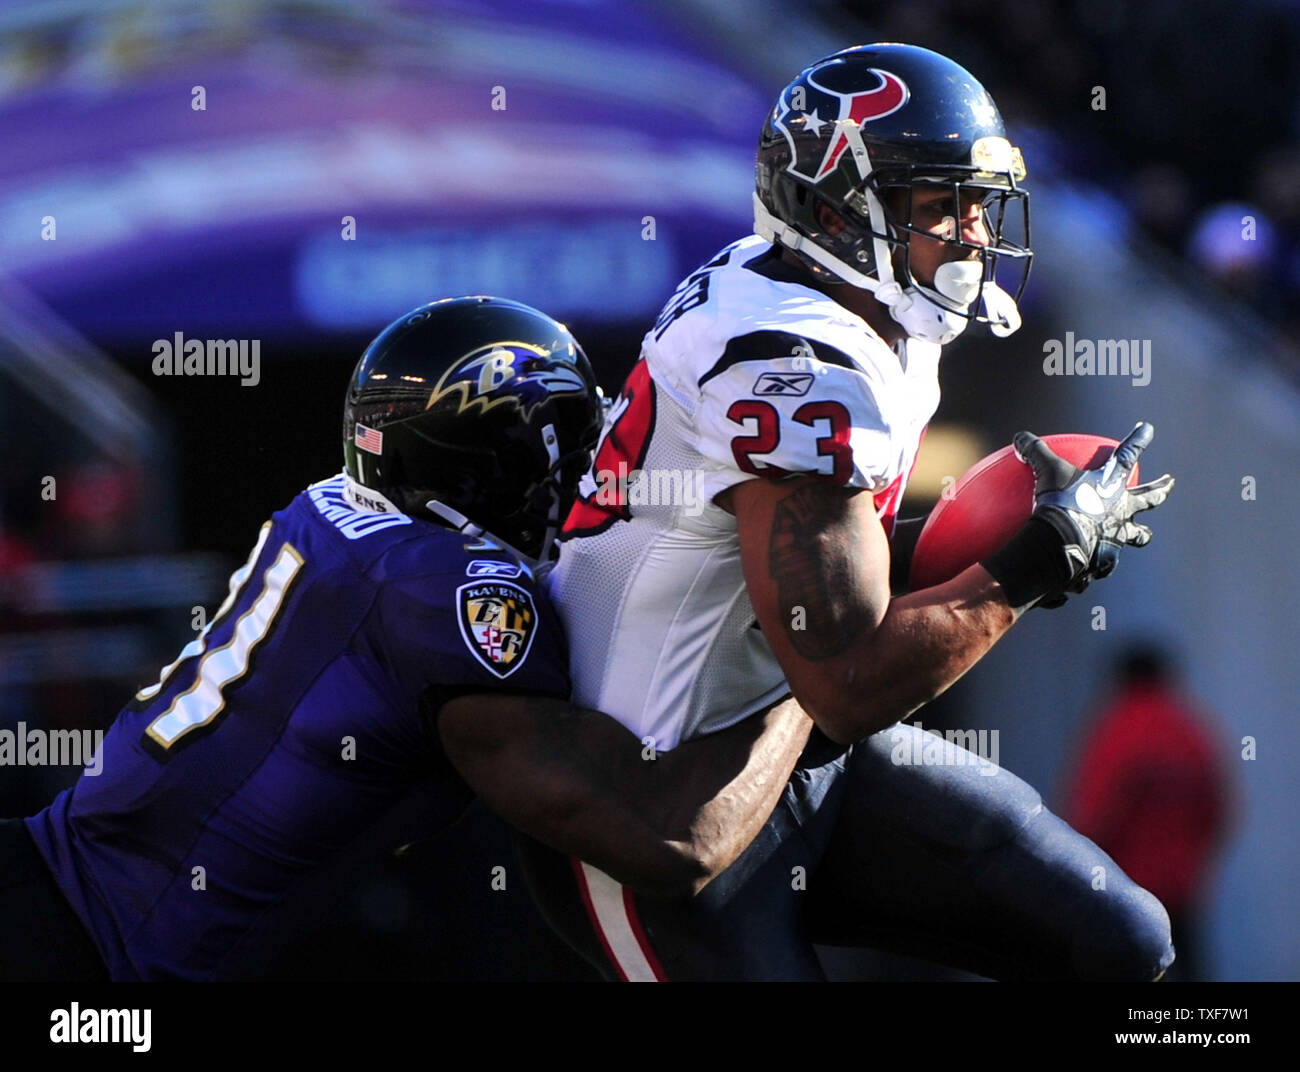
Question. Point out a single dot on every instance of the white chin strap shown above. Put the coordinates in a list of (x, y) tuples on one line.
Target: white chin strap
[(466, 527), (1000, 307), (554, 521), (922, 312)]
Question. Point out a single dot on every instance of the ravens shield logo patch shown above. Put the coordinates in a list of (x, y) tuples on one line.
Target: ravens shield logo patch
[(498, 620)]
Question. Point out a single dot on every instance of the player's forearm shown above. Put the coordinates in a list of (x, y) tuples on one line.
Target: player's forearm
[(620, 841), (683, 817), (571, 778), (925, 642), (719, 790), (579, 781), (817, 568)]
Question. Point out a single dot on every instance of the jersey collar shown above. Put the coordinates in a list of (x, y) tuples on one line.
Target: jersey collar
[(366, 500)]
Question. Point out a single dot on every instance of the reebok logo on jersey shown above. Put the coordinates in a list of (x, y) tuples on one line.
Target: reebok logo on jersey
[(485, 567), (498, 621), (784, 383)]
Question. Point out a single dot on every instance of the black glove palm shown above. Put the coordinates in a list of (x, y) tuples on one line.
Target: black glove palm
[(1092, 509)]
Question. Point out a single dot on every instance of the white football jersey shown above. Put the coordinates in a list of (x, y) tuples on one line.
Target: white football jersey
[(744, 374)]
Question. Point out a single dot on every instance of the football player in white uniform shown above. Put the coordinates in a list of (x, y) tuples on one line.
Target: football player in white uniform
[(732, 544)]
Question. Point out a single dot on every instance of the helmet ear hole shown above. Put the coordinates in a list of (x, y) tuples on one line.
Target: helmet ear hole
[(829, 220)]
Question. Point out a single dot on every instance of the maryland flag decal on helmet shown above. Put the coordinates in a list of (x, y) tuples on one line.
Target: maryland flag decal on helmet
[(498, 620)]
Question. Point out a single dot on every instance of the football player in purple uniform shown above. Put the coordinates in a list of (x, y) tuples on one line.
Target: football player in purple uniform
[(387, 634)]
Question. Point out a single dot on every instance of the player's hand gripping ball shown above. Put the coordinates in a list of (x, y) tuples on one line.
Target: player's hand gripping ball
[(986, 507)]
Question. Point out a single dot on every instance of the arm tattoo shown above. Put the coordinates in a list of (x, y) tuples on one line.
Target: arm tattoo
[(811, 560)]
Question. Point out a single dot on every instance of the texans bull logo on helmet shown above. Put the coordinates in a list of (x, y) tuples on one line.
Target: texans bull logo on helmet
[(812, 117), (498, 621), (532, 373)]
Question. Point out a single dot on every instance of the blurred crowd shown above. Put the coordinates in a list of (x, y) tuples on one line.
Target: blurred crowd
[(1195, 133), (1150, 785)]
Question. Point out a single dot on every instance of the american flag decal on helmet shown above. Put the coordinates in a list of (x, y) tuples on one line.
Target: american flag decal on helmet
[(369, 439)]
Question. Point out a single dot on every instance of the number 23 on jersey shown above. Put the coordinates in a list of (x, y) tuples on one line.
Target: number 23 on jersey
[(603, 498)]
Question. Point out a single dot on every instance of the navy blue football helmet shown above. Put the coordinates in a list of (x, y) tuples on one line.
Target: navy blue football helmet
[(853, 128)]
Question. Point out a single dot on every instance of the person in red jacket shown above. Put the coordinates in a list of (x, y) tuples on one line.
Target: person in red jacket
[(1150, 788)]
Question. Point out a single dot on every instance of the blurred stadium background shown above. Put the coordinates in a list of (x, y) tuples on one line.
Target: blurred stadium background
[(226, 223)]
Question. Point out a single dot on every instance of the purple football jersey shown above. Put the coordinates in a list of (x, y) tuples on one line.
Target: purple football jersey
[(288, 727)]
